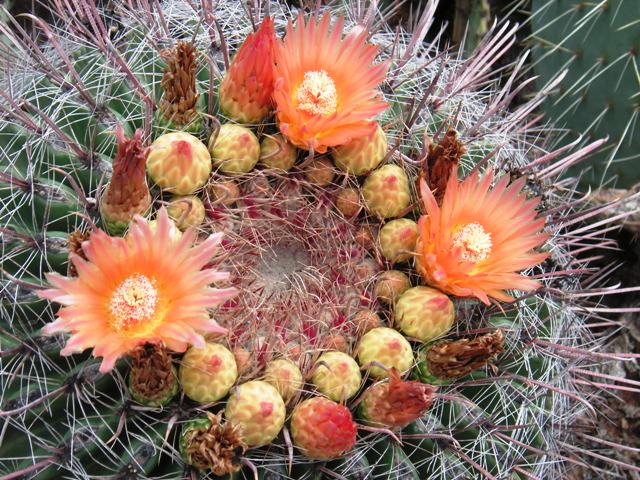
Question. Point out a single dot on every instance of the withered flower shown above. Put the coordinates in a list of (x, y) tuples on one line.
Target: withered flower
[(153, 380), (210, 444), (74, 245), (456, 358), (396, 403), (441, 158), (178, 102)]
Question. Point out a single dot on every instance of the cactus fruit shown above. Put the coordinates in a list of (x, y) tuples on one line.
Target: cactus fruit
[(186, 211), (390, 285), (223, 192), (127, 193), (179, 163), (348, 202), (385, 347), (235, 149), (306, 270), (276, 152), (362, 154), (207, 374), (258, 410), (322, 429), (398, 239), (337, 376), (285, 376), (366, 320), (319, 172), (386, 191), (424, 313)]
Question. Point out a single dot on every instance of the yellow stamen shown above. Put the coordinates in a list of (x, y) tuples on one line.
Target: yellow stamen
[(317, 94), (133, 302), (474, 242)]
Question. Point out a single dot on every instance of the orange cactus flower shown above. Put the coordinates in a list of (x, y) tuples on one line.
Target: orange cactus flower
[(476, 241), (325, 85), (146, 287), (245, 93)]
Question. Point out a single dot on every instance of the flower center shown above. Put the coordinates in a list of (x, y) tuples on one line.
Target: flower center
[(133, 302), (317, 94), (474, 242)]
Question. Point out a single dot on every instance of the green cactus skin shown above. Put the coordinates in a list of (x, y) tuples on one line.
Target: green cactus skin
[(598, 44)]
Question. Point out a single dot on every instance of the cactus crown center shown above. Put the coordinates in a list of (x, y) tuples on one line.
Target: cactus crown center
[(317, 94), (473, 241), (133, 303)]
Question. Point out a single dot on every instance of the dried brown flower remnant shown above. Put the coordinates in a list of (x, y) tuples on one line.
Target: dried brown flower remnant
[(74, 243), (178, 103), (441, 158), (217, 448), (396, 403), (456, 358), (153, 378)]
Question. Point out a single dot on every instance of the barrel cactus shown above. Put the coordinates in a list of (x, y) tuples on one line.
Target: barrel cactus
[(95, 326)]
